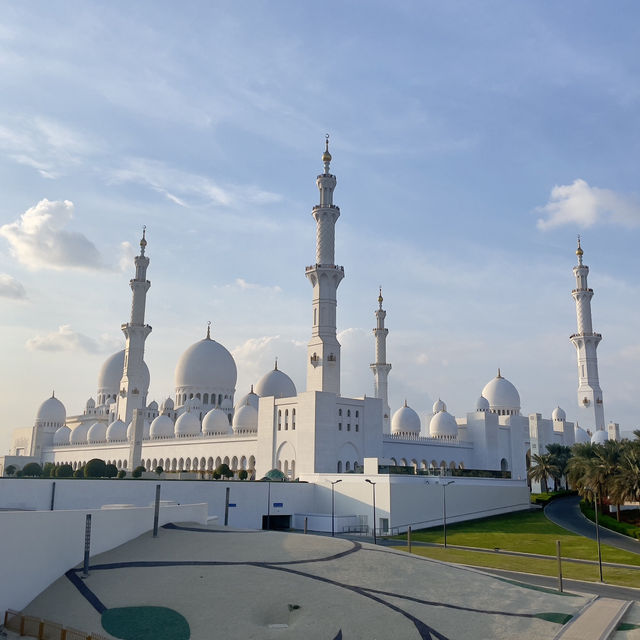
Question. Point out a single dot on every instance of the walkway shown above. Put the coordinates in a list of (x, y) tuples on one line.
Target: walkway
[(565, 512)]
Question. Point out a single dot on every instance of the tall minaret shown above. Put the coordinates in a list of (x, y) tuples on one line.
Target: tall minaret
[(323, 367), (380, 367), (586, 342), (132, 392)]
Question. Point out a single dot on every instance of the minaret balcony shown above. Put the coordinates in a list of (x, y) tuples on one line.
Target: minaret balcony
[(317, 265), (586, 335), (582, 291), (326, 206)]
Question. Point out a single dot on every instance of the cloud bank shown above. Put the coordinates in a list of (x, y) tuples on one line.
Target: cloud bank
[(11, 288), (66, 339)]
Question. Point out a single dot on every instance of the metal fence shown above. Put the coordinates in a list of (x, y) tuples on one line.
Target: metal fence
[(44, 629)]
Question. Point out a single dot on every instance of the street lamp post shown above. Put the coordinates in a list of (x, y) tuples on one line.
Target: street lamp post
[(333, 510), (444, 505), (373, 485), (268, 505), (598, 537)]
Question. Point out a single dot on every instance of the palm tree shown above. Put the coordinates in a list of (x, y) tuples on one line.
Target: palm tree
[(626, 484), (577, 466), (560, 455), (541, 468), (608, 456)]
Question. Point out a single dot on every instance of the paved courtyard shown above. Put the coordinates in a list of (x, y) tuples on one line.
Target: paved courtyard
[(213, 582)]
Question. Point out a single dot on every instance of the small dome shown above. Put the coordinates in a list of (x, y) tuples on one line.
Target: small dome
[(91, 404), (162, 427), (146, 427), (443, 424), (275, 475), (216, 422), (188, 424), (206, 365), (111, 375), (405, 420), (599, 437), (245, 419), (250, 398), (580, 434), (117, 431), (167, 405), (51, 412), (558, 414), (276, 383), (502, 395), (61, 436), (438, 405), (153, 406), (482, 404), (79, 434), (97, 433), (226, 403)]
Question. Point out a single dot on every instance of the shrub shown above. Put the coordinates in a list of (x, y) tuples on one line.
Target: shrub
[(216, 475), (138, 471), (79, 472), (10, 470), (242, 474), (49, 470), (111, 471), (159, 470), (121, 474), (64, 471), (32, 470), (19, 473), (224, 471), (95, 468)]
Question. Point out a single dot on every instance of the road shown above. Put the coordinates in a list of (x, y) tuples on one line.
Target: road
[(566, 513)]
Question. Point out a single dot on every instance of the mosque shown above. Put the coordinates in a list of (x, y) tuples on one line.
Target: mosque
[(306, 432)]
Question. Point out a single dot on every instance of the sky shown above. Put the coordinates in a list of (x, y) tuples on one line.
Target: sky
[(471, 141)]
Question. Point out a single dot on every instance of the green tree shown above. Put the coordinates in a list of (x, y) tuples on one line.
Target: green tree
[(10, 470), (79, 472), (224, 471), (49, 470), (32, 470), (122, 474), (216, 475), (542, 467), (159, 470), (560, 455), (19, 473), (138, 471), (64, 471), (242, 474), (578, 465), (95, 468), (111, 471)]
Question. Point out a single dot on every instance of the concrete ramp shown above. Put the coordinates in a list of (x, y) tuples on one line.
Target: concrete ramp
[(597, 621)]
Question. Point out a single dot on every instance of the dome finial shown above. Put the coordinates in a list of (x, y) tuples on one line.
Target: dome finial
[(326, 156), (251, 389), (498, 376), (579, 251), (143, 241), (53, 393), (380, 298), (209, 330), (405, 402), (275, 367)]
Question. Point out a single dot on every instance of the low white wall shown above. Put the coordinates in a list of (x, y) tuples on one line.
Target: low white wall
[(40, 546)]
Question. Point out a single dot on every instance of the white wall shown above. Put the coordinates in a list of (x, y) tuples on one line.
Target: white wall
[(40, 546)]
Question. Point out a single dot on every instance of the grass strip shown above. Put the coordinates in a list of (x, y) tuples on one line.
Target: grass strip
[(621, 577)]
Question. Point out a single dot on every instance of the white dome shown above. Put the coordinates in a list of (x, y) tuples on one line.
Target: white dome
[(97, 433), (79, 434), (162, 427), (206, 365), (153, 406), (91, 404), (599, 437), (502, 395), (443, 424), (51, 412), (245, 419), (117, 431), (216, 422), (188, 424), (61, 436), (438, 405), (581, 434), (482, 404), (250, 398), (146, 427), (226, 404), (276, 383), (167, 405), (405, 420), (558, 414), (111, 374)]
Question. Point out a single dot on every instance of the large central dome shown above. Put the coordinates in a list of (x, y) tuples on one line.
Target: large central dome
[(111, 374), (206, 367), (503, 397)]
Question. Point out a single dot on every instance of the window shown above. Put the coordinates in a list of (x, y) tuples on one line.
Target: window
[(348, 413), (279, 419), (348, 426), (357, 428), (339, 412), (205, 398), (339, 426), (357, 414), (293, 420)]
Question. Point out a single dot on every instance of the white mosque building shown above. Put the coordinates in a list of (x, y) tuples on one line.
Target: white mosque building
[(310, 431)]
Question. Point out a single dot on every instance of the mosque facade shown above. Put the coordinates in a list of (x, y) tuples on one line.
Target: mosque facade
[(301, 432)]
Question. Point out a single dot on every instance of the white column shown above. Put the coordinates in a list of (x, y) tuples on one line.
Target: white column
[(591, 409), (380, 367), (323, 365), (132, 392)]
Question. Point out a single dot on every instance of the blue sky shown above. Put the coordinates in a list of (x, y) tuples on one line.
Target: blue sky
[(472, 142)]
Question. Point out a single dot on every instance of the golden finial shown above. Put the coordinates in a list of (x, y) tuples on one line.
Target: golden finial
[(380, 297), (498, 376), (579, 251), (275, 368), (143, 241), (251, 389), (209, 330), (405, 402), (326, 156)]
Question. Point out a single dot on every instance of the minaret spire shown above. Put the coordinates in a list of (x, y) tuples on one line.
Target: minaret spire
[(323, 368), (380, 367), (133, 394), (586, 343)]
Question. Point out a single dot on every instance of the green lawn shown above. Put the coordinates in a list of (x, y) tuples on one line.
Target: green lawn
[(623, 577), (526, 531)]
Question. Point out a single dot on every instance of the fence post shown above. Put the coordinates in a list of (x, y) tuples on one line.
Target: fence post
[(53, 495), (87, 546), (559, 565), (409, 538), (305, 524), (156, 512), (226, 506)]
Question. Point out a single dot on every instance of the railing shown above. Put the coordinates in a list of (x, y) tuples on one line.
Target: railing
[(44, 629)]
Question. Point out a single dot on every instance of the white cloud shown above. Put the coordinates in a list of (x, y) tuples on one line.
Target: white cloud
[(583, 205), (242, 284), (11, 288), (66, 339), (38, 239)]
